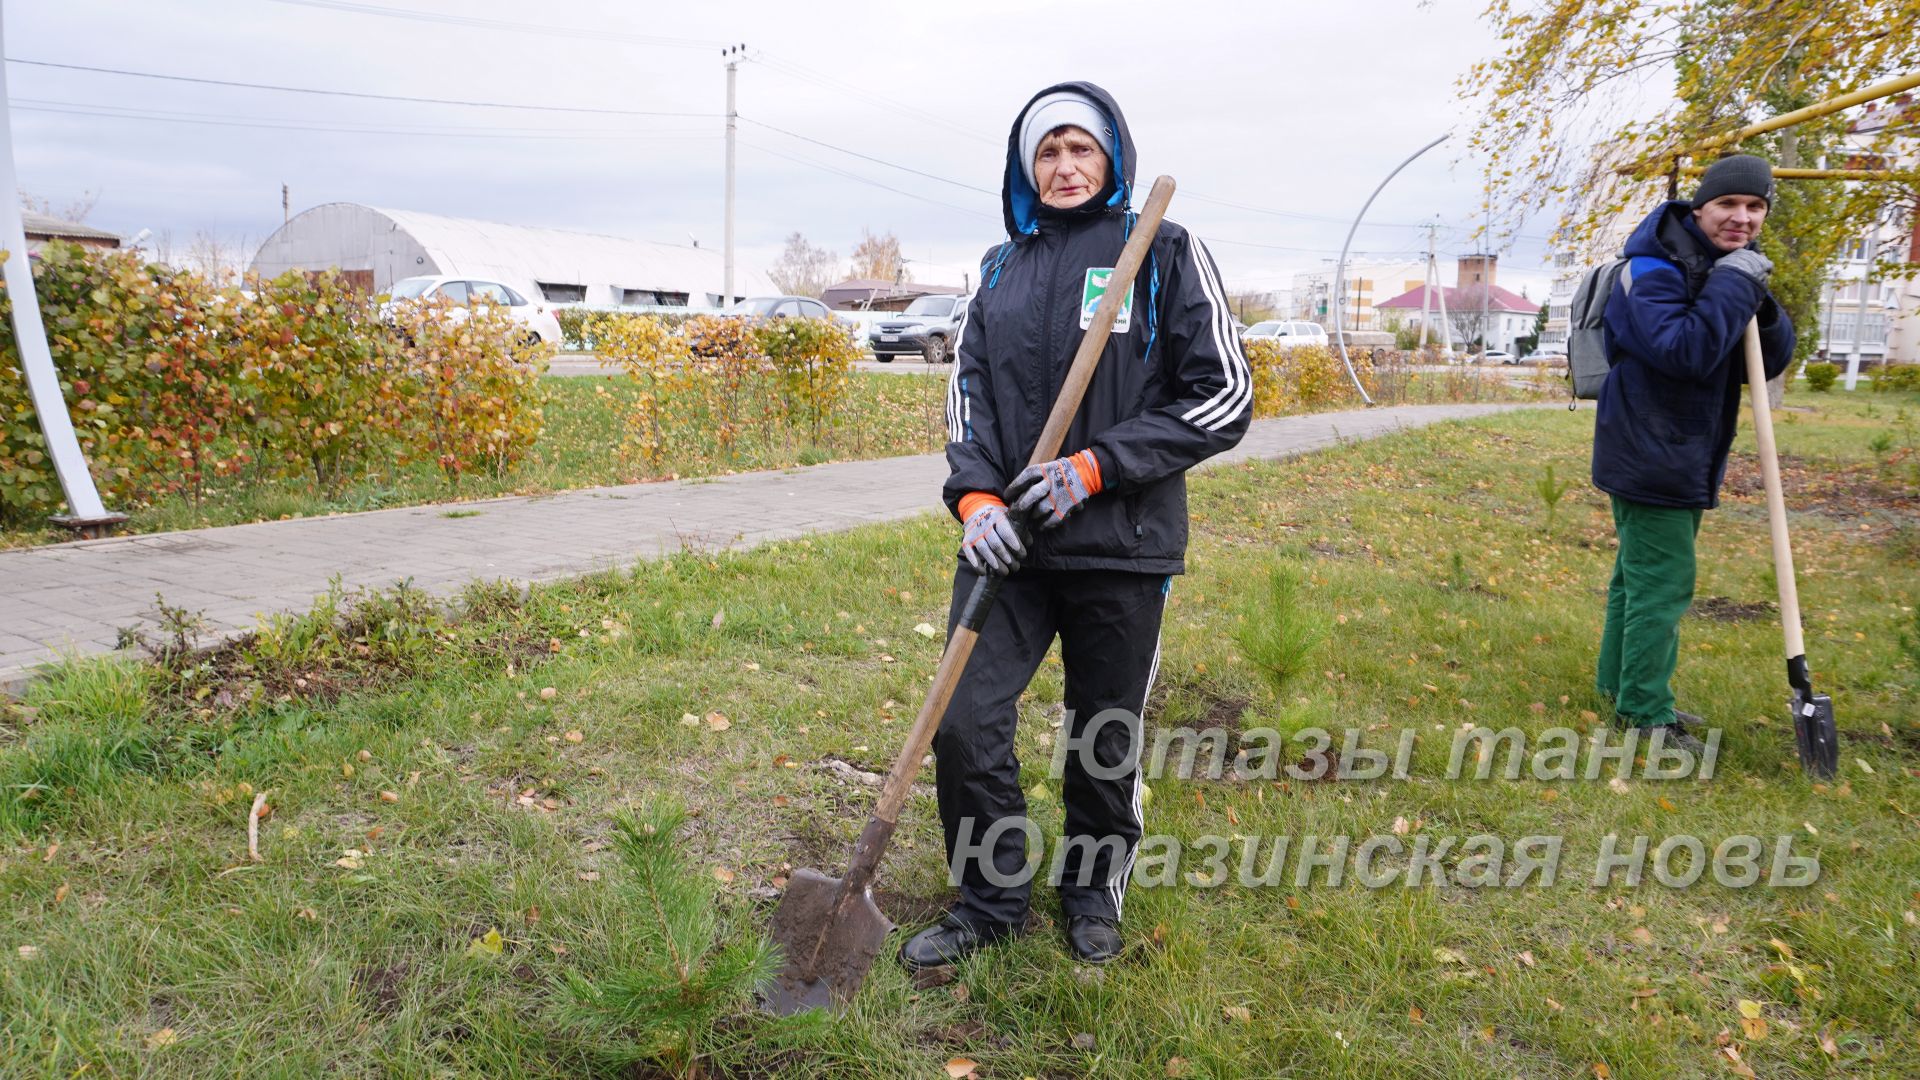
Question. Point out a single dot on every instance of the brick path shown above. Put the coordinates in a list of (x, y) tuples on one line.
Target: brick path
[(74, 597)]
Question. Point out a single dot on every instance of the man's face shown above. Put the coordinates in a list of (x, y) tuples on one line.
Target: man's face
[(1069, 168), (1732, 221)]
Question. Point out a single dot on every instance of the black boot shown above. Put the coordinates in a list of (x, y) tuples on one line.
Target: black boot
[(1094, 940), (949, 941)]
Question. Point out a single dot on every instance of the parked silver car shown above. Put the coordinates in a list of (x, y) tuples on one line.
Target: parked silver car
[(927, 328)]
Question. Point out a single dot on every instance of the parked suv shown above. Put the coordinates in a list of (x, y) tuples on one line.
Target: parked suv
[(927, 328), (1287, 334)]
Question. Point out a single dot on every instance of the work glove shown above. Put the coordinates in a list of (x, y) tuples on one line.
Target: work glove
[(1749, 262), (1047, 493), (992, 545)]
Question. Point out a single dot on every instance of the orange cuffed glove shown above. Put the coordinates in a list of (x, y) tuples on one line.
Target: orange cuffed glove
[(1048, 493)]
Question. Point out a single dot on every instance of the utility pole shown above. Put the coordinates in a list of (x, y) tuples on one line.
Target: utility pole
[(286, 205), (1860, 317), (1486, 281), (732, 53), (1426, 291)]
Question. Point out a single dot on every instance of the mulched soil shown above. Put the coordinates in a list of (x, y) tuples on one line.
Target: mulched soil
[(1854, 494)]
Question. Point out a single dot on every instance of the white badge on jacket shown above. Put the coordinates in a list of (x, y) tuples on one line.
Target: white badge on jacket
[(1095, 288)]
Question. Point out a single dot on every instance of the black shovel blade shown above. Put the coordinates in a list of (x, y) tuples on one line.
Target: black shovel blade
[(1815, 734), (829, 941)]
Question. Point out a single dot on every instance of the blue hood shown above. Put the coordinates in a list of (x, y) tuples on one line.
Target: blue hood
[(1020, 203)]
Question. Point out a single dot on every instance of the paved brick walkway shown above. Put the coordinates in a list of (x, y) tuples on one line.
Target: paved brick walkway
[(74, 597)]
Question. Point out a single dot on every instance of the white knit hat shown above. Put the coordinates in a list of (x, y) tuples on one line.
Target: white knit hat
[(1064, 108)]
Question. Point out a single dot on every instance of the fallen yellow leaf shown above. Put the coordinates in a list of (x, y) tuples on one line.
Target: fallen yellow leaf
[(487, 944), (164, 1037), (1237, 1012), (1748, 1009)]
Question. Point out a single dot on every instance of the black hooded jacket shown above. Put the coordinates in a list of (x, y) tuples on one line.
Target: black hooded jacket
[(1171, 390)]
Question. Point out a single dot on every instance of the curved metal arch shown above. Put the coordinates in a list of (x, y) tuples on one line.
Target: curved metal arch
[(1340, 271)]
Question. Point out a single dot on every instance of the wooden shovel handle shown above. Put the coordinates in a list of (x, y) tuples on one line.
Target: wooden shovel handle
[(1776, 499), (873, 841)]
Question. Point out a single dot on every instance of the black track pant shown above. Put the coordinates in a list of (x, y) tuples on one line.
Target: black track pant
[(1108, 622)]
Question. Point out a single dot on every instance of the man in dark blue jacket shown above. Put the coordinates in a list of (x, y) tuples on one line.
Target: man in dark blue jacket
[(1676, 324), (1109, 521)]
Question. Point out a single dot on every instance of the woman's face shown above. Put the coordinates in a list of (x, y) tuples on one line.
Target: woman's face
[(1069, 168)]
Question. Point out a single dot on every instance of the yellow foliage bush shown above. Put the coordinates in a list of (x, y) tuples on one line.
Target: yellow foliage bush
[(1298, 379)]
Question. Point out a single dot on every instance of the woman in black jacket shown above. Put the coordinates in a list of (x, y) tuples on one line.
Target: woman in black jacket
[(1109, 521)]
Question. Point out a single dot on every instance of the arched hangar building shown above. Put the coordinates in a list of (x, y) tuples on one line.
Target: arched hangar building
[(377, 247)]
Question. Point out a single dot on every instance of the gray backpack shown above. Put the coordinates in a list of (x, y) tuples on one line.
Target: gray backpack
[(1589, 354)]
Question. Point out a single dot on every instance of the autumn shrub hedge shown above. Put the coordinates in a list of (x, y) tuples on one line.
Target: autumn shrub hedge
[(1301, 378), (711, 380), (175, 384)]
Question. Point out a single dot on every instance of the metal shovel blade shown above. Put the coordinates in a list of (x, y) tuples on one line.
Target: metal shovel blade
[(829, 941), (1815, 734)]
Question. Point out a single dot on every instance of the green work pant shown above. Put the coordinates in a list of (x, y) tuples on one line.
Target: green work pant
[(1652, 587)]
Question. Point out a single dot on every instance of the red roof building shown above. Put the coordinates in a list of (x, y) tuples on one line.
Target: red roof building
[(1510, 314)]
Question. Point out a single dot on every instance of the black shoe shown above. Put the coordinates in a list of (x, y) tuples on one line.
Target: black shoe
[(1675, 736), (1094, 940), (1685, 721), (948, 941)]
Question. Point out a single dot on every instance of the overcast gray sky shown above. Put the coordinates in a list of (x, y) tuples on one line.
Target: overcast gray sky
[(1294, 110)]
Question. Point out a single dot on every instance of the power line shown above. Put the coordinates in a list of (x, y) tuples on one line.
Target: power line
[(543, 29), (864, 180), (1296, 214), (782, 66), (118, 112), (867, 157), (351, 93)]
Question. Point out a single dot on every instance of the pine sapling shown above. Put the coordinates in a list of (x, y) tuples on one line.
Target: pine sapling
[(671, 979), (1550, 493), (1275, 633)]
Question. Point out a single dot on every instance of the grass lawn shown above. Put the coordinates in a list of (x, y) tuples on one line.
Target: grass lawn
[(442, 889)]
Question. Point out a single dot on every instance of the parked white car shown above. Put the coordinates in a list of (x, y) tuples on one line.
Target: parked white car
[(1288, 334), (536, 316), (1499, 356)]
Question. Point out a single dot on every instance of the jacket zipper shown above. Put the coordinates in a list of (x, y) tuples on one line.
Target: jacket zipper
[(1047, 389)]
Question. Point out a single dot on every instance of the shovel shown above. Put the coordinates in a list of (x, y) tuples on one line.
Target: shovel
[(1813, 729), (829, 928)]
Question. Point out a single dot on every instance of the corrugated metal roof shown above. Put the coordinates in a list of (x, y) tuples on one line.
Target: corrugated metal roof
[(525, 253), (42, 226)]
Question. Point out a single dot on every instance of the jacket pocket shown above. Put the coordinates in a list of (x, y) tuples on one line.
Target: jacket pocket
[(1674, 423)]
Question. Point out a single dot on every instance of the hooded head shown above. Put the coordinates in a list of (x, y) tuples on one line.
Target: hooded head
[(1073, 104)]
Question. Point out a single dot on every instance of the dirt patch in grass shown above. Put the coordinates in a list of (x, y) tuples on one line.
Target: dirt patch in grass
[(381, 986), (1216, 707), (1849, 493), (1724, 609), (911, 911)]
